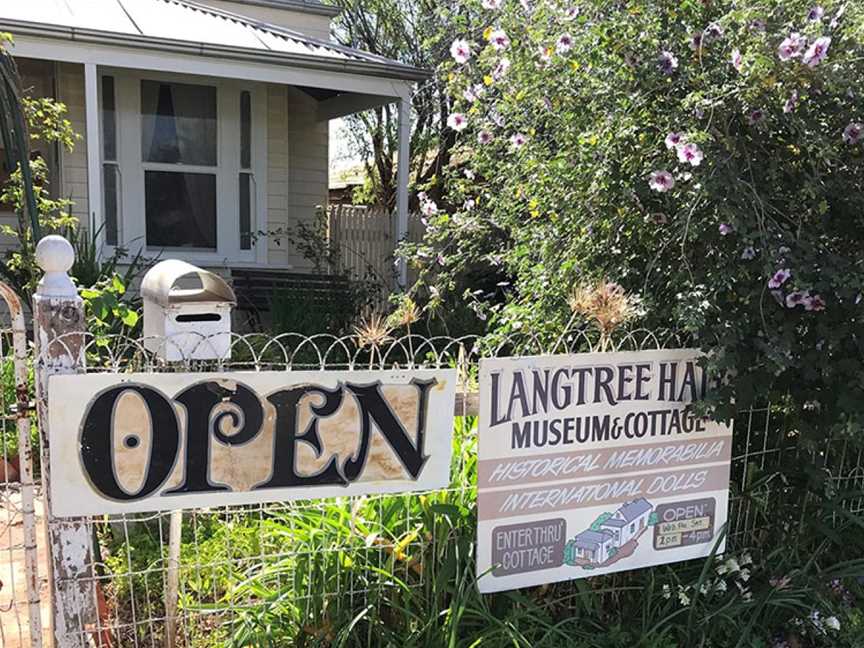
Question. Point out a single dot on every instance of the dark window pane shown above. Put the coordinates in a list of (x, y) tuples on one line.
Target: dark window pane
[(245, 212), (178, 123), (180, 209), (109, 182), (245, 130), (109, 120)]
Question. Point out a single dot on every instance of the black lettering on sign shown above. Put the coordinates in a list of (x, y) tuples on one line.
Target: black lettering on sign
[(97, 442), (245, 413), (374, 408), (210, 405), (285, 437)]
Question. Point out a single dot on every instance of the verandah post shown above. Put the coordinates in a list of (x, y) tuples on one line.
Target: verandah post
[(404, 162), (59, 331)]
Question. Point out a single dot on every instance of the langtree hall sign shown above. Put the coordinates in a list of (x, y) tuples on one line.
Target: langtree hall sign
[(592, 463), (145, 442)]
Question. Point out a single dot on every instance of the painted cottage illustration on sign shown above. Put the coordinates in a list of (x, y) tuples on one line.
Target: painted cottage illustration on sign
[(594, 547), (610, 533), (629, 520)]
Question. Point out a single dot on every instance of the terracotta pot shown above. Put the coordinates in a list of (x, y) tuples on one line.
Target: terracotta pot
[(8, 472)]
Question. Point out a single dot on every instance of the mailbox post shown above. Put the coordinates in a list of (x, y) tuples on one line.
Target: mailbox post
[(187, 316)]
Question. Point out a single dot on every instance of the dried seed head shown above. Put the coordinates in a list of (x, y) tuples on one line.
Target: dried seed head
[(605, 303), (406, 313), (373, 330)]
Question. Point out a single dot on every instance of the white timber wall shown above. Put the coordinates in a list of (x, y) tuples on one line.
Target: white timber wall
[(298, 168), (278, 163), (73, 164)]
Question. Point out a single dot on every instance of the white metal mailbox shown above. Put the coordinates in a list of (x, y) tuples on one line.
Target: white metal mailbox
[(187, 312)]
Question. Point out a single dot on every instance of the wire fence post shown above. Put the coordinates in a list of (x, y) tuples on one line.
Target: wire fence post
[(59, 332), (172, 578)]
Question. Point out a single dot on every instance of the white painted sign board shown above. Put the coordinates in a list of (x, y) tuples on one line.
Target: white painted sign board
[(124, 443), (591, 464)]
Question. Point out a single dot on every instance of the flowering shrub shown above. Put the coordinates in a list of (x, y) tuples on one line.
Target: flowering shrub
[(708, 156)]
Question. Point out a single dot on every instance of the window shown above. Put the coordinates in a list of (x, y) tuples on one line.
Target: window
[(110, 169), (246, 176), (178, 133), (180, 209), (180, 160)]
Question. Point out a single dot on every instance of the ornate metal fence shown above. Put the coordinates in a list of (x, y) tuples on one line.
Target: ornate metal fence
[(210, 577)]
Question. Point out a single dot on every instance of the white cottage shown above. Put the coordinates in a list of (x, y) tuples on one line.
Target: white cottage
[(203, 122), (629, 520), (594, 547)]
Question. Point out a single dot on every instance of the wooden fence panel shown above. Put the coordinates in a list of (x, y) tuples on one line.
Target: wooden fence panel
[(366, 240)]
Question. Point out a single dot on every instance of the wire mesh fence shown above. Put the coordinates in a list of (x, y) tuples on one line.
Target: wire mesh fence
[(310, 567)]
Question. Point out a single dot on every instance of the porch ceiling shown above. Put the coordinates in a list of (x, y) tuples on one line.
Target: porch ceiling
[(184, 27)]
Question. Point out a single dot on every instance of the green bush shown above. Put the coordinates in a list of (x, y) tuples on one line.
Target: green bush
[(566, 115)]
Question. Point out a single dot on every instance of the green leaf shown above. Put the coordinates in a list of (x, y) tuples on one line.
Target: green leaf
[(130, 318)]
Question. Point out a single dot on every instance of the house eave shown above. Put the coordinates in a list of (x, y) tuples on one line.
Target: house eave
[(85, 36)]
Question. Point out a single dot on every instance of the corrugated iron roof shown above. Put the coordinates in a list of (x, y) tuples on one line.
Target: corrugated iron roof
[(305, 6), (184, 22), (614, 522)]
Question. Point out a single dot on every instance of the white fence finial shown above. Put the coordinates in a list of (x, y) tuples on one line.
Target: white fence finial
[(55, 256)]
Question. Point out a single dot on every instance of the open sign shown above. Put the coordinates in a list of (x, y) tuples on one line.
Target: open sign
[(145, 442)]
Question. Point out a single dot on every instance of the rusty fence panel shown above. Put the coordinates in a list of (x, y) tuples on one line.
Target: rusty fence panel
[(21, 594)]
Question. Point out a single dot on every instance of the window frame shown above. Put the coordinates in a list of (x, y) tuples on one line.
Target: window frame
[(131, 216)]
